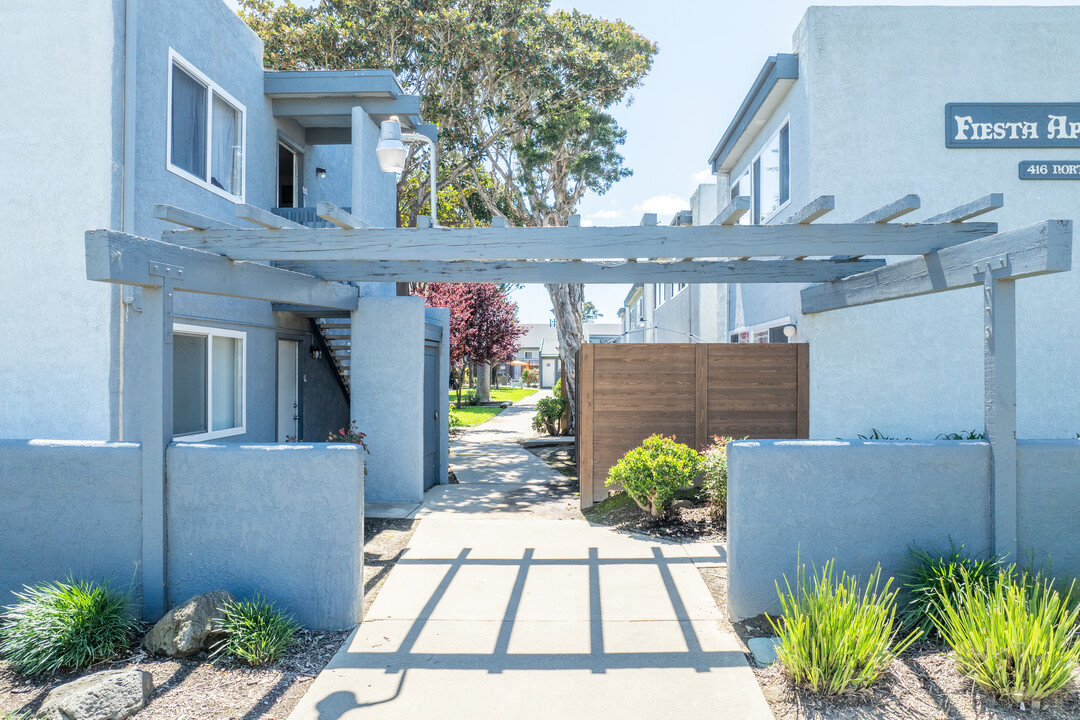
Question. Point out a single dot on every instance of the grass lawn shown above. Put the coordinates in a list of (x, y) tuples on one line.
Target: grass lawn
[(497, 395), (471, 415)]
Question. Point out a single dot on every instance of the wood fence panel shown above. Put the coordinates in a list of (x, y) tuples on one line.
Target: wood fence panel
[(628, 392)]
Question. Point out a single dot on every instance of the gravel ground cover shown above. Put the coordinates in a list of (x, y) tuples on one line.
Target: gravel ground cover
[(199, 688)]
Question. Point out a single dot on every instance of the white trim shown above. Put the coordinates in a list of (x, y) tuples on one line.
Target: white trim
[(212, 88), (760, 327), (754, 201), (210, 333)]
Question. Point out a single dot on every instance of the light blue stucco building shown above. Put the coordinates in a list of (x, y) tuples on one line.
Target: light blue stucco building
[(857, 110)]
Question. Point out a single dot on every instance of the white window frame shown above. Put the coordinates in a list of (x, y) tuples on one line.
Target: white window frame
[(210, 333), (765, 327), (679, 287), (755, 182), (212, 88)]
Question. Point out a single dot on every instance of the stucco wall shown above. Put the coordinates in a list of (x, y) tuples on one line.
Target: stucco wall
[(1048, 503), (70, 509), (387, 387), (863, 502), (867, 125), (285, 521), (60, 130)]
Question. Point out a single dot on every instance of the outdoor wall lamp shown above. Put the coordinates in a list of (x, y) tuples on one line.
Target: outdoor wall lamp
[(316, 353), (321, 172), (790, 330), (391, 152)]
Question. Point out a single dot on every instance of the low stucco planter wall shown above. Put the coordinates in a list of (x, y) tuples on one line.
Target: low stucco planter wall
[(283, 520), (69, 508), (864, 502)]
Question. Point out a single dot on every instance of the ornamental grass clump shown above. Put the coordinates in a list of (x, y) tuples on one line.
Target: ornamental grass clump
[(255, 631), (64, 625), (1017, 639), (836, 638), (652, 472), (935, 577)]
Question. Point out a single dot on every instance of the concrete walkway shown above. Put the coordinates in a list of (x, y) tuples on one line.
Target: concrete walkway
[(506, 605)]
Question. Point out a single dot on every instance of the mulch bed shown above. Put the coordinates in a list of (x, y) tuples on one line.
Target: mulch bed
[(201, 689), (688, 520)]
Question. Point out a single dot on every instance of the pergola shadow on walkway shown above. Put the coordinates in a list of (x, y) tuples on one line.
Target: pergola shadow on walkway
[(560, 612)]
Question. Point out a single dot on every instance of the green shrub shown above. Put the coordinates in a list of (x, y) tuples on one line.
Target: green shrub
[(455, 419), (966, 435), (715, 482), (1017, 639), (548, 412), (935, 576), (654, 470), (836, 637), (64, 625), (255, 631)]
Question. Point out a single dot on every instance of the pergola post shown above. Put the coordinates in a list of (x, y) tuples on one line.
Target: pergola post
[(999, 347), (156, 408)]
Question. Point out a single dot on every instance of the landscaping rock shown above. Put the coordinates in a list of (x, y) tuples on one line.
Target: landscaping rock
[(106, 695), (764, 650), (188, 629)]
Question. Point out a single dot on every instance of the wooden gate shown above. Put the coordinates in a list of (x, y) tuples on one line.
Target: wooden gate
[(692, 391)]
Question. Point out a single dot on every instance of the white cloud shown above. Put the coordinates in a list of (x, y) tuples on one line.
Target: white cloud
[(663, 205), (702, 177), (612, 214)]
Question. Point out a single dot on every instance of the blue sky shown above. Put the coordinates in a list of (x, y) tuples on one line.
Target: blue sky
[(710, 52)]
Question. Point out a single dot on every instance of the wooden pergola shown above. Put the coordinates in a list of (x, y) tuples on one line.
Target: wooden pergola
[(312, 269)]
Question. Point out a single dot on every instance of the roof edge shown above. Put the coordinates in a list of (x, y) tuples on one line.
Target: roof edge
[(782, 66)]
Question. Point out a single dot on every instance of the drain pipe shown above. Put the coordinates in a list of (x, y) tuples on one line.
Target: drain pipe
[(127, 188)]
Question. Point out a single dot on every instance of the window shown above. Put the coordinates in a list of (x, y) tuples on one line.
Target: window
[(770, 332), (209, 384), (767, 181), (206, 131)]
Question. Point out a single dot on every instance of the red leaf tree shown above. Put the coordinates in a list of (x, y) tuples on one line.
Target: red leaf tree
[(483, 324)]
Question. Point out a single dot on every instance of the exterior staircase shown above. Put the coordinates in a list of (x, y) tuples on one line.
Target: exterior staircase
[(337, 335), (335, 332)]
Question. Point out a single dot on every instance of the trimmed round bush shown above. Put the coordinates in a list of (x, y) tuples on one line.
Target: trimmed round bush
[(715, 483), (255, 631), (1017, 639), (64, 625), (835, 636), (652, 472)]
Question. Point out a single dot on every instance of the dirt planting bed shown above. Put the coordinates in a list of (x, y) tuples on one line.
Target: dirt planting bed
[(200, 688)]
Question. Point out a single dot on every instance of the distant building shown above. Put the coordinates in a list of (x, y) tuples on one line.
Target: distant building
[(540, 348)]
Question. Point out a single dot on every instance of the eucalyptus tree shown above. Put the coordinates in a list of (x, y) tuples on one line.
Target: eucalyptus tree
[(521, 95)]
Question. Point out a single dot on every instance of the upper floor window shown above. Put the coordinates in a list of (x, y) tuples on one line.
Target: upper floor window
[(767, 180), (206, 131)]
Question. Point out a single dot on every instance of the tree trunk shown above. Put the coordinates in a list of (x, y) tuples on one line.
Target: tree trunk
[(483, 382), (566, 300)]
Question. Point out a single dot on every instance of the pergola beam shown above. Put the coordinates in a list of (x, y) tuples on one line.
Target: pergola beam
[(188, 219), (812, 210), (576, 271), (1037, 249), (733, 211), (264, 218), (541, 243), (887, 213), (975, 208), (333, 214), (130, 260)]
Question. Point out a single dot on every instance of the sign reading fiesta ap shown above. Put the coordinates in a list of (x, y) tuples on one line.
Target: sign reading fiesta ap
[(1018, 125)]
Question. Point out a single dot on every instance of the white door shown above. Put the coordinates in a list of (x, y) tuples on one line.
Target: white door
[(288, 408)]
